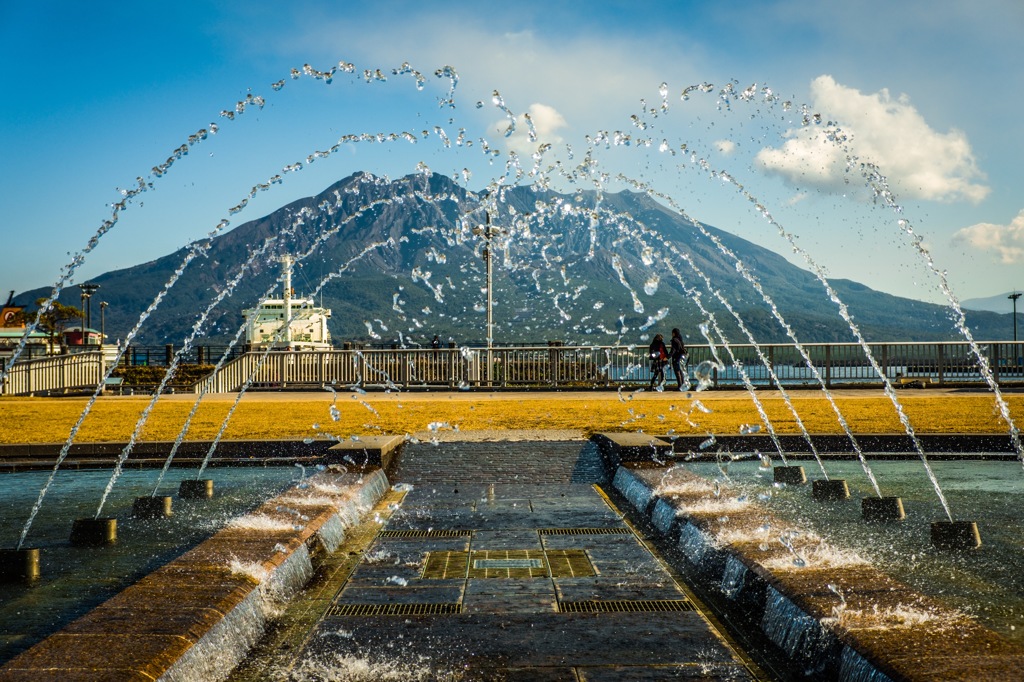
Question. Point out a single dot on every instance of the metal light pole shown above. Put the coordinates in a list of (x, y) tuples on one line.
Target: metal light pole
[(490, 279), (1013, 297), (103, 332), (84, 296), (87, 292), (486, 231)]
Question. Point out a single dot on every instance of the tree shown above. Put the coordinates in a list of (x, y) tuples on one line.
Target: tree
[(53, 320)]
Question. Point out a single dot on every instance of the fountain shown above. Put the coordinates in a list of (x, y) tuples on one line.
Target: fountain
[(520, 218)]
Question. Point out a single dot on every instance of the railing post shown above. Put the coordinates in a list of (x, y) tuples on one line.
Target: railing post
[(940, 359), (994, 361), (828, 365)]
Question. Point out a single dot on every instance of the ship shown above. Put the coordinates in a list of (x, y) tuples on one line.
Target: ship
[(267, 325)]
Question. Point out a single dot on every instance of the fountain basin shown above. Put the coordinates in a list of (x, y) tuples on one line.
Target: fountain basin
[(843, 621), (197, 616)]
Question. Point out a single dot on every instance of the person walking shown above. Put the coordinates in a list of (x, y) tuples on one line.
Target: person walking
[(677, 353), (659, 356)]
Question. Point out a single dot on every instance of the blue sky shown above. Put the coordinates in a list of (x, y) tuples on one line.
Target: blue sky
[(931, 92)]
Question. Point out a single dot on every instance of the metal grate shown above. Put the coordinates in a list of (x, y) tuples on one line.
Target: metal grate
[(447, 608), (623, 606), (424, 533), (584, 531), (569, 563), (508, 563), (516, 563), (445, 565)]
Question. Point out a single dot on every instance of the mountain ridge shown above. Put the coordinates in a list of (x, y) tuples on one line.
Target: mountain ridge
[(582, 267)]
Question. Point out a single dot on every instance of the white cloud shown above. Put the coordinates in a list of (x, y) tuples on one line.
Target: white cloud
[(1007, 241), (918, 161), (726, 147), (546, 122)]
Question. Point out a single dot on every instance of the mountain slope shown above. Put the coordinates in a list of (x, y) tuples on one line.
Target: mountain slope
[(402, 263)]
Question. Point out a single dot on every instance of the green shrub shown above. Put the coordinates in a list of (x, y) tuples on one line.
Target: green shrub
[(184, 375)]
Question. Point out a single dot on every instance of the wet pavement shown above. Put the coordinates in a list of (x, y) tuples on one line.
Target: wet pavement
[(500, 569)]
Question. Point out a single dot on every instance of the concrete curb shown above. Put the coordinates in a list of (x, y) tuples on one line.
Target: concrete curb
[(797, 609), (197, 617)]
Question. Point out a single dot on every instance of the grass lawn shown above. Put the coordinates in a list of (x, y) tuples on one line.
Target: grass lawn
[(301, 415)]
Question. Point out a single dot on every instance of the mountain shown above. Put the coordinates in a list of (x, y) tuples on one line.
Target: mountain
[(403, 263), (1000, 303)]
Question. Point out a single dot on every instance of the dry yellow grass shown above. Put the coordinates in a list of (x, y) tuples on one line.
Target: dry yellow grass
[(293, 416)]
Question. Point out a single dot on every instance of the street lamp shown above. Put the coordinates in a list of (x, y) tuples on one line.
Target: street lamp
[(487, 231), (87, 292), (1013, 297), (103, 310)]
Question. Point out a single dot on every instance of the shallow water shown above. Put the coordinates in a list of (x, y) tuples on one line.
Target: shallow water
[(987, 583), (75, 579)]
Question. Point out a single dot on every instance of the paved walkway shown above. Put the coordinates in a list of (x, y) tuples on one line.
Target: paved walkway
[(493, 567)]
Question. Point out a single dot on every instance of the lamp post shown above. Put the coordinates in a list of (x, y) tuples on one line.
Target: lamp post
[(1013, 297), (487, 232), (103, 331), (87, 292)]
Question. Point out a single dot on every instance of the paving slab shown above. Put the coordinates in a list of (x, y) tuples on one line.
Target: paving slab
[(493, 575)]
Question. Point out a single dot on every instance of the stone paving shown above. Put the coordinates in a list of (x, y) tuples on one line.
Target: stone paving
[(504, 562)]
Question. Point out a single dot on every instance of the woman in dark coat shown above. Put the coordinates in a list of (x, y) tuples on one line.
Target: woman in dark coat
[(659, 355)]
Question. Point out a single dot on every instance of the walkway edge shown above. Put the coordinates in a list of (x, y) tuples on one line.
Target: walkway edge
[(197, 617)]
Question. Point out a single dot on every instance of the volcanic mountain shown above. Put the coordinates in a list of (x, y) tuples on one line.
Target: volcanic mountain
[(400, 261)]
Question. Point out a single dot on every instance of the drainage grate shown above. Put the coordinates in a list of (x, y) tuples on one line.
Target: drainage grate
[(621, 606), (584, 531), (443, 609), (516, 563), (569, 563), (445, 565), (424, 533)]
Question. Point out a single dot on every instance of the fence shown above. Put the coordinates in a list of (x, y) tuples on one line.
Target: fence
[(837, 365), (55, 374)]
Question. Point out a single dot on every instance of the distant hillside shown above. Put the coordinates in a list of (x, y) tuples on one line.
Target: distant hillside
[(579, 268), (1000, 303)]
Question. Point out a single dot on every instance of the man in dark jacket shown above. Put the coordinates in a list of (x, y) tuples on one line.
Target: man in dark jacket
[(678, 356)]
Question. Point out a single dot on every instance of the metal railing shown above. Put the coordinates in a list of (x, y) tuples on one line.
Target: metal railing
[(838, 365), (55, 374)]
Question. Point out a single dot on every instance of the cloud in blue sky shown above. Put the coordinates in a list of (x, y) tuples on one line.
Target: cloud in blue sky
[(926, 90), (1005, 241), (918, 161)]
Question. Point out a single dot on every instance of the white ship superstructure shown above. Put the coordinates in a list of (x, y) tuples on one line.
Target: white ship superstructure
[(265, 324)]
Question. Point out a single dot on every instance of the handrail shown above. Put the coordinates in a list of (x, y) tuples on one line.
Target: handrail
[(943, 363), (840, 365), (55, 374)]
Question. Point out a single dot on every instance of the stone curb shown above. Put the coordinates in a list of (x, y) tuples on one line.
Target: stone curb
[(196, 617), (797, 609)]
